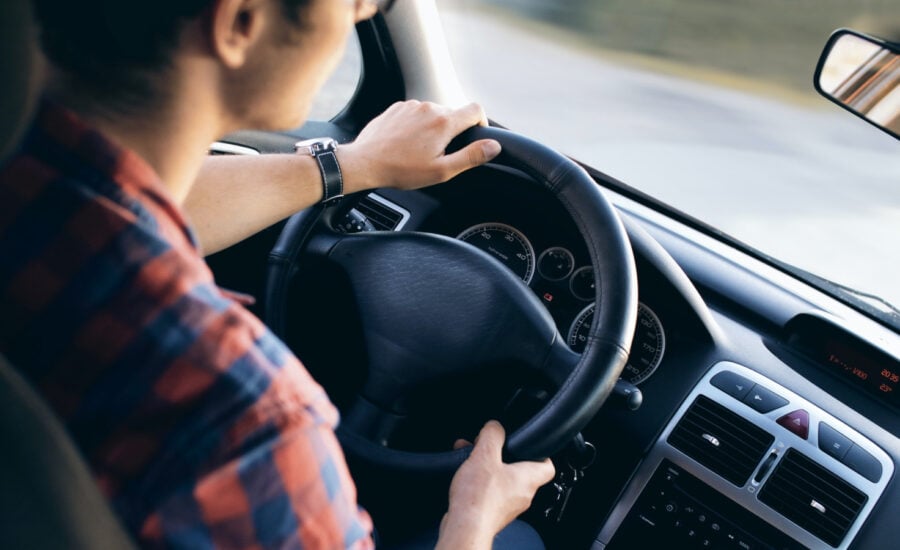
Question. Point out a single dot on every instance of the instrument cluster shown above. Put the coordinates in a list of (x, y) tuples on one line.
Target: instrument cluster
[(568, 290)]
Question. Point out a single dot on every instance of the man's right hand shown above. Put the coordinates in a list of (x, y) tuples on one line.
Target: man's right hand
[(405, 147), (487, 494)]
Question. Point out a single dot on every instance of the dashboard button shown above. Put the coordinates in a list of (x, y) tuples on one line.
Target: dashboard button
[(733, 384), (797, 422), (863, 463), (832, 442), (764, 400)]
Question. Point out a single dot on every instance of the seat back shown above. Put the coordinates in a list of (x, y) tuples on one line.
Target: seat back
[(48, 498)]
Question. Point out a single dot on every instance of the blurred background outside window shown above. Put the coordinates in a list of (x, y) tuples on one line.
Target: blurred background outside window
[(707, 105)]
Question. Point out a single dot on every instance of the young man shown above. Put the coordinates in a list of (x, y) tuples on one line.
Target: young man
[(200, 426)]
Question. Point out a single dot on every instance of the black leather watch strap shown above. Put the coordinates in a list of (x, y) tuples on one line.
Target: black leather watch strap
[(332, 179), (323, 150)]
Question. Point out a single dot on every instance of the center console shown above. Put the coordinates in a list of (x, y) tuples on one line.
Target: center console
[(747, 464)]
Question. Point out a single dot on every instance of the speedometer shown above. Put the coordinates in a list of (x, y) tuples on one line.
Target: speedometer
[(647, 348), (505, 243)]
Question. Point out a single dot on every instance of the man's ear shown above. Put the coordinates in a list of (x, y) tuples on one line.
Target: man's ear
[(235, 26)]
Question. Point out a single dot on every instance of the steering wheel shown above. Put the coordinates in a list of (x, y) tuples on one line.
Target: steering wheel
[(417, 329)]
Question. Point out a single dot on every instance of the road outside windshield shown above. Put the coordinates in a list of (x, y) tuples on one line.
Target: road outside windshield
[(708, 106)]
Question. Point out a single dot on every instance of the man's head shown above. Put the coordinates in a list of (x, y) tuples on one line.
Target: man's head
[(267, 58)]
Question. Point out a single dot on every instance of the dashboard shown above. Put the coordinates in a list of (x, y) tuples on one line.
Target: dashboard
[(769, 421)]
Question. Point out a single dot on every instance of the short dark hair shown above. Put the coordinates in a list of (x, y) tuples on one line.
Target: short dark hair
[(113, 48)]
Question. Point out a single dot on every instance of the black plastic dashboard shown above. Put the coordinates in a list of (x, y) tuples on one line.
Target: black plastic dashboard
[(718, 310)]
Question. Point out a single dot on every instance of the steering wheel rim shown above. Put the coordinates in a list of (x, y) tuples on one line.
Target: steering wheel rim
[(590, 377)]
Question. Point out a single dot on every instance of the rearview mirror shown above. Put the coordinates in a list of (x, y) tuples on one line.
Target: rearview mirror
[(861, 74)]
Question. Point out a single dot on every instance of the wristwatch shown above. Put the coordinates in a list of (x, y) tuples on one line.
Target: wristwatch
[(322, 149)]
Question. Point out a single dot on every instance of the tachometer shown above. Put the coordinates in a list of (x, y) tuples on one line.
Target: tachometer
[(555, 263), (505, 243), (646, 350), (582, 284)]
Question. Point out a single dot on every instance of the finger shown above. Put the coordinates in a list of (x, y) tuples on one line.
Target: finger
[(467, 116), (470, 156), (461, 444), (490, 439)]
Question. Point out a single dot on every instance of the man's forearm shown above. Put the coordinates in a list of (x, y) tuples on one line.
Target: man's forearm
[(463, 532), (237, 196)]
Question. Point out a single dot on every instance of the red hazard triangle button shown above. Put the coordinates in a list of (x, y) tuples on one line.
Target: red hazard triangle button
[(797, 422)]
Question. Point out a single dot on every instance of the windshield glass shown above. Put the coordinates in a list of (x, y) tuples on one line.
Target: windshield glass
[(707, 106)]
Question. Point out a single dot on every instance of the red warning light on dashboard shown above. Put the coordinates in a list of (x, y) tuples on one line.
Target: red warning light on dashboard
[(548, 297), (885, 388)]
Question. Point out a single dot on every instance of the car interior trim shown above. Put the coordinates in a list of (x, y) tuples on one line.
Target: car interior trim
[(747, 494), (418, 36), (226, 148)]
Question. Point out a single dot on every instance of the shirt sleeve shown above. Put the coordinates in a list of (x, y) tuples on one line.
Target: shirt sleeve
[(282, 481)]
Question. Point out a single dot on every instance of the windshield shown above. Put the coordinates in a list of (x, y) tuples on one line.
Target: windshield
[(707, 106)]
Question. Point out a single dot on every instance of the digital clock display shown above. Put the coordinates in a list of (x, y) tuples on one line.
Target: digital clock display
[(864, 370), (846, 356)]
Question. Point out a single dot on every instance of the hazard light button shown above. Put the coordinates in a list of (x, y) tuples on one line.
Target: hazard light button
[(797, 422)]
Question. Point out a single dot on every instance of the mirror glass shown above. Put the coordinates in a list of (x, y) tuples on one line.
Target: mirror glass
[(861, 74)]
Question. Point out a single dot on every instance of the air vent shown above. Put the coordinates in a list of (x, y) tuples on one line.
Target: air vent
[(721, 440), (382, 213), (812, 497)]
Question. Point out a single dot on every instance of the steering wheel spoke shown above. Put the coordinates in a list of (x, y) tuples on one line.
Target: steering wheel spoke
[(323, 240), (371, 421)]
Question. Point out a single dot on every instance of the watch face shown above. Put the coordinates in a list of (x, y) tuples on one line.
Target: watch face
[(315, 146)]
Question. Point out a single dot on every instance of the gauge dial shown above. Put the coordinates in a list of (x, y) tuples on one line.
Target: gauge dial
[(646, 350), (555, 264), (504, 243), (582, 283)]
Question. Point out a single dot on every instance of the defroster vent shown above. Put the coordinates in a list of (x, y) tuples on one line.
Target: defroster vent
[(721, 440), (812, 497), (379, 214)]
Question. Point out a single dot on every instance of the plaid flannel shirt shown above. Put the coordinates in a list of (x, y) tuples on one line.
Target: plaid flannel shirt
[(200, 426)]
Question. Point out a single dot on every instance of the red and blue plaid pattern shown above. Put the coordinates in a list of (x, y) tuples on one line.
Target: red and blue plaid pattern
[(200, 426)]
